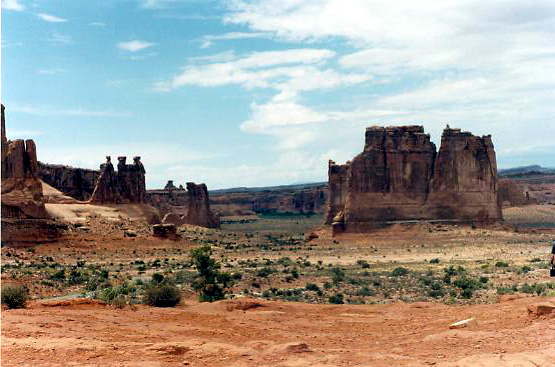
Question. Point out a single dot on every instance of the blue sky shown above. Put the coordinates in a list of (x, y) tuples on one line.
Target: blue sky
[(264, 92)]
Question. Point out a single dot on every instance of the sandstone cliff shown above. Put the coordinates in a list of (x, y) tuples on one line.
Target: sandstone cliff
[(24, 216), (79, 183), (127, 185), (198, 211), (399, 176)]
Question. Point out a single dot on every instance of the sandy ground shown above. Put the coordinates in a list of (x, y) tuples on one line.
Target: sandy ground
[(246, 332)]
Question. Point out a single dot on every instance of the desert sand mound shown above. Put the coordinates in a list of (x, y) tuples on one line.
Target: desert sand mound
[(248, 332), (53, 196)]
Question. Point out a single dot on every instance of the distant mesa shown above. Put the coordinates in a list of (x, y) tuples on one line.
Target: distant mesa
[(400, 176)]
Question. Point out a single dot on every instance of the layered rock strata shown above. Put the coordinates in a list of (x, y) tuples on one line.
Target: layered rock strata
[(24, 216), (198, 207), (400, 177), (78, 183), (126, 185)]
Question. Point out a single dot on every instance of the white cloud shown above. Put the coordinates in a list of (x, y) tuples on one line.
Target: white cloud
[(209, 40), (155, 4), (51, 18), (97, 24), (134, 46), (12, 5), (287, 71), (59, 39), (51, 71)]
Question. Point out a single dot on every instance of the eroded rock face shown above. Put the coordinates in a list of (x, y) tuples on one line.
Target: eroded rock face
[(513, 193), (400, 177), (198, 212), (24, 216), (79, 183), (127, 185)]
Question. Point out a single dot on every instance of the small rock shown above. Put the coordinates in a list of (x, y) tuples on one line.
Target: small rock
[(541, 308), (129, 234), (461, 324)]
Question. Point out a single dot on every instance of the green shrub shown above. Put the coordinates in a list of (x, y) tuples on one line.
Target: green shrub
[(501, 264), (399, 272), (211, 283), (15, 296), (337, 299), (467, 285), (157, 278), (163, 295), (484, 280), (363, 263), (59, 275), (337, 275), (434, 261), (264, 272), (526, 269), (365, 292), (312, 287)]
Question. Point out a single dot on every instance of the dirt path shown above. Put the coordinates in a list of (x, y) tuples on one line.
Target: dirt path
[(246, 332)]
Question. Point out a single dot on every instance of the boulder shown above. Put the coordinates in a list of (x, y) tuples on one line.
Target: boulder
[(172, 218), (168, 231), (541, 308)]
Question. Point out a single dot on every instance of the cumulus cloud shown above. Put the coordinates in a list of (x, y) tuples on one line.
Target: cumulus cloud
[(51, 18), (480, 65), (134, 45), (12, 5)]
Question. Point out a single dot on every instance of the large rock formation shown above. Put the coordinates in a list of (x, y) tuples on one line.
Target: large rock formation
[(198, 212), (79, 183), (127, 185), (24, 216), (514, 193), (398, 177)]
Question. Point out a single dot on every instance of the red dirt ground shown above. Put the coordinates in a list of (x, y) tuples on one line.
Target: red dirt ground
[(248, 332)]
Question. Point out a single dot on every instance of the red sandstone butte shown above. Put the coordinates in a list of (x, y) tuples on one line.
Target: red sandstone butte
[(399, 176)]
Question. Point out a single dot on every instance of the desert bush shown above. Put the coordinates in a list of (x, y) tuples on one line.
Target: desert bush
[(211, 283), (399, 272), (15, 296), (501, 264), (467, 285), (363, 263), (434, 261), (157, 278), (337, 299), (337, 275), (162, 295), (59, 275), (526, 269), (365, 292), (264, 272), (312, 287)]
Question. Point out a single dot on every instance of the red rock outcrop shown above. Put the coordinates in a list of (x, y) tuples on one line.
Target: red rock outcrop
[(398, 177), (127, 185), (24, 216), (78, 183), (513, 193), (198, 212)]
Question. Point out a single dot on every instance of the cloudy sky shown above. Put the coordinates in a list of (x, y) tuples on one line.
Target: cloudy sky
[(264, 92)]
